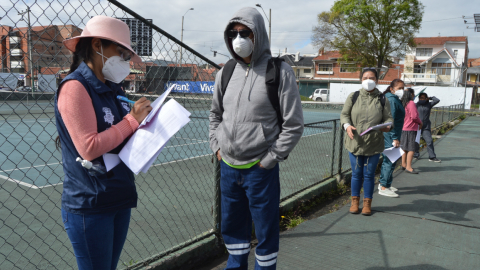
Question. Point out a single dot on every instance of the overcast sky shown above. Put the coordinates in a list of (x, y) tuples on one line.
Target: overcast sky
[(292, 21)]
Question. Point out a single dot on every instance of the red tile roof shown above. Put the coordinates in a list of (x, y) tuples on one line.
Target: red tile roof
[(329, 55), (437, 40), (473, 62)]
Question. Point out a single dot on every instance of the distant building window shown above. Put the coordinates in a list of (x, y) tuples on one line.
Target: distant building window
[(424, 51), (325, 67), (418, 69), (348, 67), (442, 69), (307, 70), (455, 54)]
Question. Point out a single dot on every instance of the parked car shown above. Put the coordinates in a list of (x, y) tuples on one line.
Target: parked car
[(320, 95), (24, 89)]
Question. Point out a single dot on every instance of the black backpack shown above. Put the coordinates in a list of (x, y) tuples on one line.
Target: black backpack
[(272, 81), (381, 97)]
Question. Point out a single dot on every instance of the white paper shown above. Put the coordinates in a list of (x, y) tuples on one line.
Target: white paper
[(393, 153), (147, 142), (417, 139), (156, 105), (111, 160)]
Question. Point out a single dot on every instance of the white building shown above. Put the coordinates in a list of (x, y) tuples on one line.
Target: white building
[(436, 61)]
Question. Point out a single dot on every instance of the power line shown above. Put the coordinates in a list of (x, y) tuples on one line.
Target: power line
[(445, 19)]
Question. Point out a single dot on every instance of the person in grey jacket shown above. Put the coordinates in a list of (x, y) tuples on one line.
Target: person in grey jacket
[(249, 143), (424, 107)]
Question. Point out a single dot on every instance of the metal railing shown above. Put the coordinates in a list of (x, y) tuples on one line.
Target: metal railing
[(439, 116)]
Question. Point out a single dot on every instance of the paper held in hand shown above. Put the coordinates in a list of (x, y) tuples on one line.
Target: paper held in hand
[(393, 153), (143, 148), (377, 127), (417, 139)]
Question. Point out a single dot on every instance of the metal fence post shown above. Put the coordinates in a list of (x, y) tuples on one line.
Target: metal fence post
[(435, 121), (340, 151), (333, 144)]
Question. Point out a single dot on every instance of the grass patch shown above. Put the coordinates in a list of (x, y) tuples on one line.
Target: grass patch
[(474, 106), (299, 214), (304, 98)]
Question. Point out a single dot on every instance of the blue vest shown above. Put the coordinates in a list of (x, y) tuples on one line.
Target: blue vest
[(83, 193)]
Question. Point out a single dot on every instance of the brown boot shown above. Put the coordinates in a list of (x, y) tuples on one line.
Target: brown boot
[(355, 203), (367, 207)]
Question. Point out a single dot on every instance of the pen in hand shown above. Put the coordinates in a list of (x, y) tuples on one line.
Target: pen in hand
[(125, 99)]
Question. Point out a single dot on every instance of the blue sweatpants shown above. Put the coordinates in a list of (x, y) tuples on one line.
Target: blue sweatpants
[(250, 194), (98, 239), (363, 173), (386, 176)]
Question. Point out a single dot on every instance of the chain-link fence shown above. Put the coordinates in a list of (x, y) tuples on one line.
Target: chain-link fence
[(179, 196), (439, 116)]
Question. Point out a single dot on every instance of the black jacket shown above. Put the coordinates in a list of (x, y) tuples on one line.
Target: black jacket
[(424, 111)]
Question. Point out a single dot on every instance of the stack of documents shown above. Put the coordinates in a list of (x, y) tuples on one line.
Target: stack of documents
[(393, 153), (143, 148), (377, 127)]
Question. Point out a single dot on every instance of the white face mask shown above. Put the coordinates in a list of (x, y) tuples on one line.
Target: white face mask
[(115, 69), (399, 93), (369, 85), (242, 46)]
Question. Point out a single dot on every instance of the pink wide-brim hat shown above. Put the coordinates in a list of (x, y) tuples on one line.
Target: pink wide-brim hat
[(105, 27)]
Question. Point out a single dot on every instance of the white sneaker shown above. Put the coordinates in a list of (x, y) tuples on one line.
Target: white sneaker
[(387, 192), (391, 188)]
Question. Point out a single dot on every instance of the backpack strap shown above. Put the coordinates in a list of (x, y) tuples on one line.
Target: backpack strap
[(272, 81), (381, 97), (227, 72), (355, 97)]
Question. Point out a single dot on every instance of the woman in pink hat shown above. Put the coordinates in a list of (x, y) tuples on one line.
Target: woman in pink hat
[(91, 122)]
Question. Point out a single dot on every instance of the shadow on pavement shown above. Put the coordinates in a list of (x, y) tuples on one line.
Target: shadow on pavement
[(451, 211), (442, 168), (413, 267), (432, 190)]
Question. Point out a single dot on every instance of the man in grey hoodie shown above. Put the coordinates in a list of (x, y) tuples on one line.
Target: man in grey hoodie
[(248, 141)]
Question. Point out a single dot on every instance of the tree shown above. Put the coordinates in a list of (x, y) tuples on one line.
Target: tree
[(369, 31)]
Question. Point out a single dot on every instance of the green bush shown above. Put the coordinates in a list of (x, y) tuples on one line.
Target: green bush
[(304, 98), (462, 117)]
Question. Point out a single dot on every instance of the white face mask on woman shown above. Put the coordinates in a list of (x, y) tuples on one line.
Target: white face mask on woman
[(242, 46), (369, 85), (115, 69), (399, 93)]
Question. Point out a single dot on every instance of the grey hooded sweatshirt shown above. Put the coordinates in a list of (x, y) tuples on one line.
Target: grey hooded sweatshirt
[(243, 123)]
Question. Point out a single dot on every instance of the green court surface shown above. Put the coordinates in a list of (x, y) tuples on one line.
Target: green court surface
[(176, 196)]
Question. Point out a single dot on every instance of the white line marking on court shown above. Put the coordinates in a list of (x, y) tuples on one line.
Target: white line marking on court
[(316, 134), (18, 182), (36, 166), (190, 139)]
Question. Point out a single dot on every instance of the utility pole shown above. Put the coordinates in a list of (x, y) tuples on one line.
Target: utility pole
[(29, 45), (269, 24), (181, 37)]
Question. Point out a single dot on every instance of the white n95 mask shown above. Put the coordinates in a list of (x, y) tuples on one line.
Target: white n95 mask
[(369, 85), (115, 69), (399, 93), (242, 46)]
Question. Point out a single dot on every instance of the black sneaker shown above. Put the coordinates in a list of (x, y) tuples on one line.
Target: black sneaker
[(435, 160)]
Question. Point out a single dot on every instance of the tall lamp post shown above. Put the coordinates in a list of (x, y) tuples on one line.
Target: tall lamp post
[(269, 24), (29, 43), (181, 38)]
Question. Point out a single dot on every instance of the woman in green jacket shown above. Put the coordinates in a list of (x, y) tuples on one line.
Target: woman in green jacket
[(370, 108), (393, 93)]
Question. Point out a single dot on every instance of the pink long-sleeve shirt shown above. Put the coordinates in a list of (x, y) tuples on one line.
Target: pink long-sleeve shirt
[(76, 108), (412, 120)]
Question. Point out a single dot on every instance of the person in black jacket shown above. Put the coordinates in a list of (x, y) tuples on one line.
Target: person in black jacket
[(424, 106)]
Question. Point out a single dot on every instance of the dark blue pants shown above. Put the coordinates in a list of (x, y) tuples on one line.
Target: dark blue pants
[(97, 240), (386, 176), (250, 194), (363, 173)]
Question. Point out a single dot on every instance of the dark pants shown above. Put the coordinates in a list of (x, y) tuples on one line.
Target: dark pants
[(386, 176), (97, 240), (250, 194), (427, 136)]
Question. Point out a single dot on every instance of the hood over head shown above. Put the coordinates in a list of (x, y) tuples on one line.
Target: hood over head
[(251, 18)]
